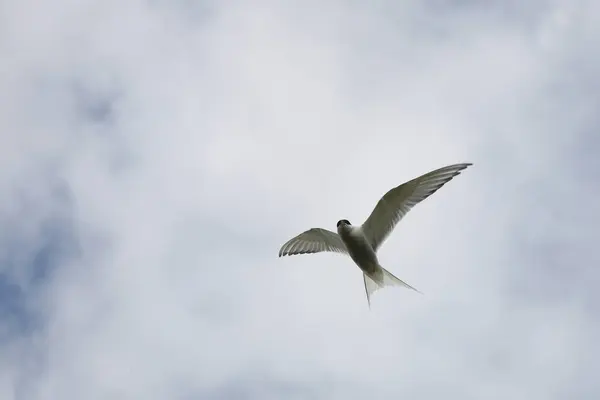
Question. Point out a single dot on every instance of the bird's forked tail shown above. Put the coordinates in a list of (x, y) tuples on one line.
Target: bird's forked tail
[(385, 279)]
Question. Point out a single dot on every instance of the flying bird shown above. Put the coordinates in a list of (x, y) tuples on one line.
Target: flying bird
[(362, 242)]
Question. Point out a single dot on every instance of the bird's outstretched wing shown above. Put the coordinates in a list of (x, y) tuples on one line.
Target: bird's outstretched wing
[(394, 205), (314, 240)]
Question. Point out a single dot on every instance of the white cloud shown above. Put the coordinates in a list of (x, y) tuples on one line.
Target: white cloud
[(195, 139)]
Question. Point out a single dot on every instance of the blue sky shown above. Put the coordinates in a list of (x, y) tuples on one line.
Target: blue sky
[(156, 155)]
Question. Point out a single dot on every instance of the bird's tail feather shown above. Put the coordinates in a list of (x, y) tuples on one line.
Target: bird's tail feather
[(390, 279), (370, 287), (387, 279)]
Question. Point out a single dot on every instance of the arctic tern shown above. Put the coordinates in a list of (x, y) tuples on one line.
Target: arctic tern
[(362, 242)]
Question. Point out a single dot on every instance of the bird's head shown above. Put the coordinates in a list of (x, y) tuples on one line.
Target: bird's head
[(343, 223)]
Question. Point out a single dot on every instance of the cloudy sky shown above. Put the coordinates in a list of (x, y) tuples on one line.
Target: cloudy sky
[(154, 156)]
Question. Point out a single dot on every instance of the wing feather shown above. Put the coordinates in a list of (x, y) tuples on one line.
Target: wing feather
[(314, 240), (394, 205)]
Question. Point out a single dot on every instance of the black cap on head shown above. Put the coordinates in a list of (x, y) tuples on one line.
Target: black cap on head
[(344, 222)]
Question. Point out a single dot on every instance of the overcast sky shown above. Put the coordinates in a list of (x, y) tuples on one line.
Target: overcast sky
[(155, 155)]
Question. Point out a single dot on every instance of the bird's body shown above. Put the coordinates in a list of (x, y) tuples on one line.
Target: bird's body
[(359, 248), (362, 253), (362, 242)]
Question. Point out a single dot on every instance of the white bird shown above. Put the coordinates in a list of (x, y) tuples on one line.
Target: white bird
[(362, 242)]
